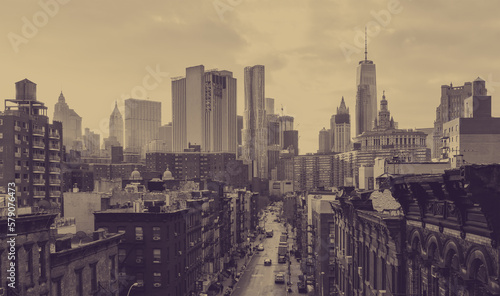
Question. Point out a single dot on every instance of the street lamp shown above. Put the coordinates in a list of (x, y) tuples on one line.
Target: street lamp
[(130, 289)]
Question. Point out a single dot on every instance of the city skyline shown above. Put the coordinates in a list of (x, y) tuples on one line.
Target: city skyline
[(313, 60)]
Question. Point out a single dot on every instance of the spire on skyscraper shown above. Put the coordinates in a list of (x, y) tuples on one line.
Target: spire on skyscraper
[(366, 47), (61, 98)]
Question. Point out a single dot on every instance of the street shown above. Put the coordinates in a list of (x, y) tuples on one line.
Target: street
[(258, 279)]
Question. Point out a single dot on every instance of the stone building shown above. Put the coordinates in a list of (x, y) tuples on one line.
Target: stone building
[(452, 231)]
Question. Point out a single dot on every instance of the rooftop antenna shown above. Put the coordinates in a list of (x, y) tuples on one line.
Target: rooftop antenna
[(281, 109), (366, 47)]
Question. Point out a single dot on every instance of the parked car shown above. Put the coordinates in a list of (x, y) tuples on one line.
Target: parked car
[(279, 278), (267, 262), (260, 247)]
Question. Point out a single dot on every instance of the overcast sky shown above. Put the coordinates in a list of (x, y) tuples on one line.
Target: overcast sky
[(98, 52)]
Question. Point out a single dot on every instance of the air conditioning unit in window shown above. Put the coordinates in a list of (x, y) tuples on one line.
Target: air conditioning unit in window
[(156, 238), (180, 252), (139, 238), (140, 283), (179, 274), (191, 244), (157, 285), (360, 271), (176, 234), (348, 259), (382, 292)]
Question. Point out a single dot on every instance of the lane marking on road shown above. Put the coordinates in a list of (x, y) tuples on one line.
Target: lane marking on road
[(258, 275)]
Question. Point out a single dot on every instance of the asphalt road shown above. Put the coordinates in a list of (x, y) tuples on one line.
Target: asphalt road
[(258, 279)]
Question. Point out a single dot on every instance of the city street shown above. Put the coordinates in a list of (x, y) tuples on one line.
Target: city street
[(258, 279)]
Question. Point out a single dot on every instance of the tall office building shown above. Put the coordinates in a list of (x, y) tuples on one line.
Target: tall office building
[(324, 141), (269, 106), (291, 141), (340, 129), (451, 106), (239, 132), (165, 135), (204, 110), (286, 124), (71, 122), (30, 149), (142, 120), (273, 142), (92, 143), (255, 123), (116, 125), (366, 97)]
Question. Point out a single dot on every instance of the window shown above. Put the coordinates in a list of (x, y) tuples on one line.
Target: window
[(139, 278), (156, 279), (79, 282), (156, 233), (122, 254), (112, 269), (139, 233), (139, 256), (41, 261), (156, 256), (57, 286), (93, 277), (29, 259)]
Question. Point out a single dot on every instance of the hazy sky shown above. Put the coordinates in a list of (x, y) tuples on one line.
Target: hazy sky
[(99, 52)]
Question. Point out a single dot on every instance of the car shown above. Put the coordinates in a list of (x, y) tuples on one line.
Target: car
[(260, 247), (279, 278), (301, 286), (268, 262), (238, 275)]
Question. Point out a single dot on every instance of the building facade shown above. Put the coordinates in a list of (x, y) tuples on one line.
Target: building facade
[(116, 126), (204, 110), (451, 106), (30, 149), (152, 252), (340, 129), (142, 120), (255, 122), (366, 96), (324, 141), (72, 124)]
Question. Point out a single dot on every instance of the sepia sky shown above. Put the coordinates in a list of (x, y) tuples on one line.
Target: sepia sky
[(99, 52)]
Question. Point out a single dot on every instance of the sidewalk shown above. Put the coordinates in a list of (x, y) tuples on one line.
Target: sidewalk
[(240, 262)]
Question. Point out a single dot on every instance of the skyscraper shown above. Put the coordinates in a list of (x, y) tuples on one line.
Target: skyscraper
[(255, 127), (269, 106), (165, 135), (31, 149), (286, 124), (204, 110), (340, 126), (366, 97), (92, 142), (324, 141), (116, 125), (71, 122), (142, 120), (451, 106)]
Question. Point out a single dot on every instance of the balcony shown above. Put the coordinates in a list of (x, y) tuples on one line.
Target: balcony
[(39, 181), (55, 182), (17, 180), (54, 135), (55, 193), (38, 157), (55, 170), (54, 158), (17, 167), (38, 169), (17, 154), (17, 128), (55, 147), (17, 142), (39, 194), (38, 144), (38, 132)]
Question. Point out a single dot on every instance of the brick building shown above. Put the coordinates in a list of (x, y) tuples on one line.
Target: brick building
[(152, 252)]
